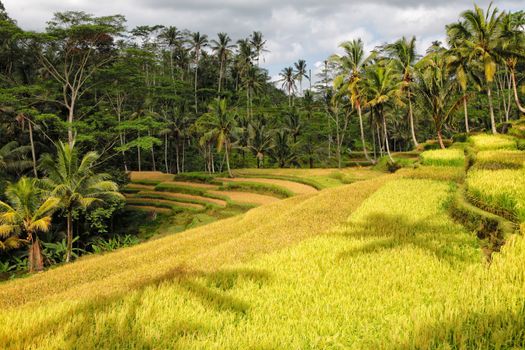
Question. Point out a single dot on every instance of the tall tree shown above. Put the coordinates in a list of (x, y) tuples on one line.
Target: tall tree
[(479, 31), (404, 54), (223, 50), (198, 42), (258, 43), (75, 46), (300, 73), (288, 83)]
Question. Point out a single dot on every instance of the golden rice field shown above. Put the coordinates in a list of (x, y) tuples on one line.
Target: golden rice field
[(500, 159), (483, 142), (502, 189), (443, 157), (372, 265)]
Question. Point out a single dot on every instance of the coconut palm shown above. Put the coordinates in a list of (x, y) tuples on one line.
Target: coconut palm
[(300, 73), (288, 83), (27, 214), (260, 140), (513, 47), (479, 32), (13, 157), (258, 43), (198, 42), (381, 87), (404, 55), (281, 151), (223, 50), (221, 124), (349, 82), (172, 38), (76, 183), (436, 90)]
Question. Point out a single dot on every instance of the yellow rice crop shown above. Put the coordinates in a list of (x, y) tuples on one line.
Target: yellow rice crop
[(246, 197), (492, 142), (398, 275), (295, 187), (443, 157), (500, 159), (502, 189), (150, 175)]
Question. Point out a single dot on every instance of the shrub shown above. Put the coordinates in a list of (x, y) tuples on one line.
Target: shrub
[(443, 157), (385, 164)]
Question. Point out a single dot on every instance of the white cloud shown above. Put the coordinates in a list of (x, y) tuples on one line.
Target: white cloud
[(294, 29)]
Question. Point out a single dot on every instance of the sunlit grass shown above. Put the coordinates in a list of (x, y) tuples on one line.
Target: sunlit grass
[(443, 157)]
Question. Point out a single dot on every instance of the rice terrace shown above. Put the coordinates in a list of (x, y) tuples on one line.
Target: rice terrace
[(262, 175)]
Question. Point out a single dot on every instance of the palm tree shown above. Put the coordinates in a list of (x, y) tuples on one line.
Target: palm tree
[(221, 124), (458, 62), (353, 64), (27, 214), (288, 82), (513, 47), (281, 151), (253, 82), (75, 182), (257, 42), (300, 73), (198, 42), (223, 50), (380, 86), (172, 38), (260, 140), (293, 123), (12, 157), (404, 54), (479, 32), (437, 90)]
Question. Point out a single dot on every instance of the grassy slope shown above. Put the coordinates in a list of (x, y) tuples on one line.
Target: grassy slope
[(397, 273)]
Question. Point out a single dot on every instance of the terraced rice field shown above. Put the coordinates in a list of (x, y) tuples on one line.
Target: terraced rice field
[(246, 197), (295, 187)]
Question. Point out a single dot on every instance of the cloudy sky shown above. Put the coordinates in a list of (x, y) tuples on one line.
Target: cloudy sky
[(308, 29)]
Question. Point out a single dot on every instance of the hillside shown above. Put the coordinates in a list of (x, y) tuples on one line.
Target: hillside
[(396, 261)]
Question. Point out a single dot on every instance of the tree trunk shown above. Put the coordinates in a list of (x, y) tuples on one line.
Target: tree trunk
[(362, 131), (411, 117), (121, 137), (386, 139), (196, 69), (515, 89), (227, 159), (440, 138), (491, 110), (69, 237), (465, 109), (220, 74), (166, 153), (36, 260), (70, 118), (177, 158), (33, 153)]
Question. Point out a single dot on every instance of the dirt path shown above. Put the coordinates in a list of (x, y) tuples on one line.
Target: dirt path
[(295, 187), (246, 197)]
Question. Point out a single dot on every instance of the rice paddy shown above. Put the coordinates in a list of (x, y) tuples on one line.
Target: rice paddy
[(484, 142), (493, 160), (443, 157), (376, 264)]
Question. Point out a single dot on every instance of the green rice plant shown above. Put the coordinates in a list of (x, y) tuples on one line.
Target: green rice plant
[(493, 160), (146, 182), (483, 142), (169, 187), (197, 177), (502, 191), (443, 157)]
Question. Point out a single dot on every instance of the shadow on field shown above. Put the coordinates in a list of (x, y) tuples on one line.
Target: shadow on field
[(502, 330), (393, 231), (118, 321)]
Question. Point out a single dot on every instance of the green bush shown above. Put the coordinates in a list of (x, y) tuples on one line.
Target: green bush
[(385, 164)]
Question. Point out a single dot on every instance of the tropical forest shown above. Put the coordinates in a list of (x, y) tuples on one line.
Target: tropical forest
[(168, 188)]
